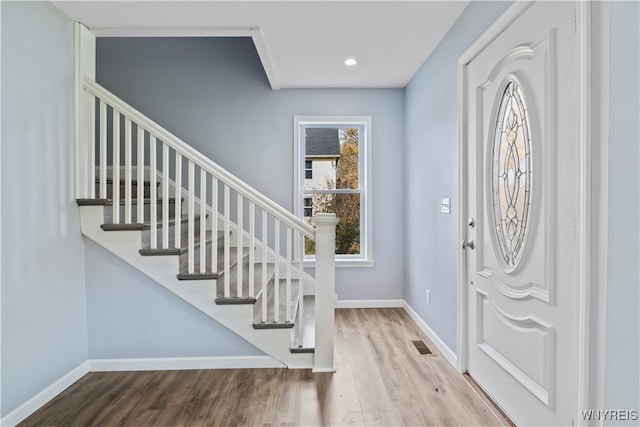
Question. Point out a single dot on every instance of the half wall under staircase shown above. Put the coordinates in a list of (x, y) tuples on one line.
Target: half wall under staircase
[(203, 234)]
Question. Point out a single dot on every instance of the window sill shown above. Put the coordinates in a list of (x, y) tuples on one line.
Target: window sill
[(347, 263)]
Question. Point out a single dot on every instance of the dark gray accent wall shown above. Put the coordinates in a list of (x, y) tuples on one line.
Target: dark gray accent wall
[(44, 321), (213, 94), (431, 173)]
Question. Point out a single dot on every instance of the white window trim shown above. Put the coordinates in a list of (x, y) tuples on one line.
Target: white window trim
[(365, 259)]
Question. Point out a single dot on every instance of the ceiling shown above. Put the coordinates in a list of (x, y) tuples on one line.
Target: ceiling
[(302, 44)]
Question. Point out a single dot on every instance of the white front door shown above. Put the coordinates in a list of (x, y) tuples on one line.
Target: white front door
[(522, 191)]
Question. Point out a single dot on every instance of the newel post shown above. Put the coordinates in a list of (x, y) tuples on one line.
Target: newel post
[(325, 291)]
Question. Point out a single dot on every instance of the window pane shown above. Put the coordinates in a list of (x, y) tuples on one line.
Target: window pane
[(347, 169), (511, 185), (347, 208), (322, 152)]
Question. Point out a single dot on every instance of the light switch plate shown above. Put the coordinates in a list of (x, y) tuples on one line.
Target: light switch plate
[(445, 205)]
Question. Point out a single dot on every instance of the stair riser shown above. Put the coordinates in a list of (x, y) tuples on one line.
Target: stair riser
[(184, 258), (134, 190), (245, 297), (295, 292), (184, 229), (108, 212)]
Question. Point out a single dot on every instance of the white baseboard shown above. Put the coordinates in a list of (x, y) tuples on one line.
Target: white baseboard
[(370, 303), (39, 400), (184, 363), (435, 339)]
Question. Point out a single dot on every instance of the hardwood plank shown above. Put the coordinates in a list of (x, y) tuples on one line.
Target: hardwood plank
[(381, 380), (376, 404)]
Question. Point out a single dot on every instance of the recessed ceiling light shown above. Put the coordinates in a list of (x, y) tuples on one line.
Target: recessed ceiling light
[(350, 62)]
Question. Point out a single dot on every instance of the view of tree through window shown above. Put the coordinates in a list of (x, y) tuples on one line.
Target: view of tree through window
[(335, 185)]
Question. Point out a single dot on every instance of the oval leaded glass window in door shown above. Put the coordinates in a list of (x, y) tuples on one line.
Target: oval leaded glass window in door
[(511, 173)]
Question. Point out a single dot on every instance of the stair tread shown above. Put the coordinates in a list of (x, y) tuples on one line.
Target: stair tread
[(233, 276), (197, 276), (282, 323), (109, 201), (308, 328), (92, 202)]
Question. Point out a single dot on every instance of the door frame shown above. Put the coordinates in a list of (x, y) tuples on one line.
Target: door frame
[(583, 220)]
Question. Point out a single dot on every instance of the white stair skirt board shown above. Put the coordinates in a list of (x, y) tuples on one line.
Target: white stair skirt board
[(435, 339), (184, 363), (370, 303), (125, 245), (39, 400)]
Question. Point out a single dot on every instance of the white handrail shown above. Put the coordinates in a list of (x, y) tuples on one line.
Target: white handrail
[(198, 158)]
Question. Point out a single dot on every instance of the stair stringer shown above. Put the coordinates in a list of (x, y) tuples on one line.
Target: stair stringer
[(198, 293)]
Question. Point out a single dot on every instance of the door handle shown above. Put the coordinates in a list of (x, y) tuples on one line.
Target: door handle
[(470, 244)]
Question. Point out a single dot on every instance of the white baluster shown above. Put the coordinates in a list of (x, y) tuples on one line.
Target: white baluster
[(227, 249), (300, 271), (276, 274), (203, 221), (103, 150), (191, 219), (264, 266), (252, 245), (178, 206), (153, 202), (127, 170), (214, 224), (165, 195), (92, 151), (240, 263), (288, 278), (115, 167), (140, 178)]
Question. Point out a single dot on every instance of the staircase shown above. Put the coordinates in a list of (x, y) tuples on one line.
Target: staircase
[(209, 238)]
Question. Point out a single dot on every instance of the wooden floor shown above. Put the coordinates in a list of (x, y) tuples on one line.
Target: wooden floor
[(381, 380)]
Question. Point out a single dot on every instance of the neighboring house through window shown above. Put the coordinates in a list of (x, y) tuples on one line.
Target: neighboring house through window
[(332, 161)]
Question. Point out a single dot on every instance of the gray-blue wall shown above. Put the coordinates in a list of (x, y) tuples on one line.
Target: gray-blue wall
[(622, 377), (226, 109), (431, 173), (213, 93), (44, 322), (131, 316)]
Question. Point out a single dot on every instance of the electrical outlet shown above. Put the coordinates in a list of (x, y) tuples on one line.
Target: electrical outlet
[(428, 297)]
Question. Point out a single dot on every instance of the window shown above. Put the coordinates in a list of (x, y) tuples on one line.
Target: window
[(308, 169), (511, 170), (332, 160), (308, 207)]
